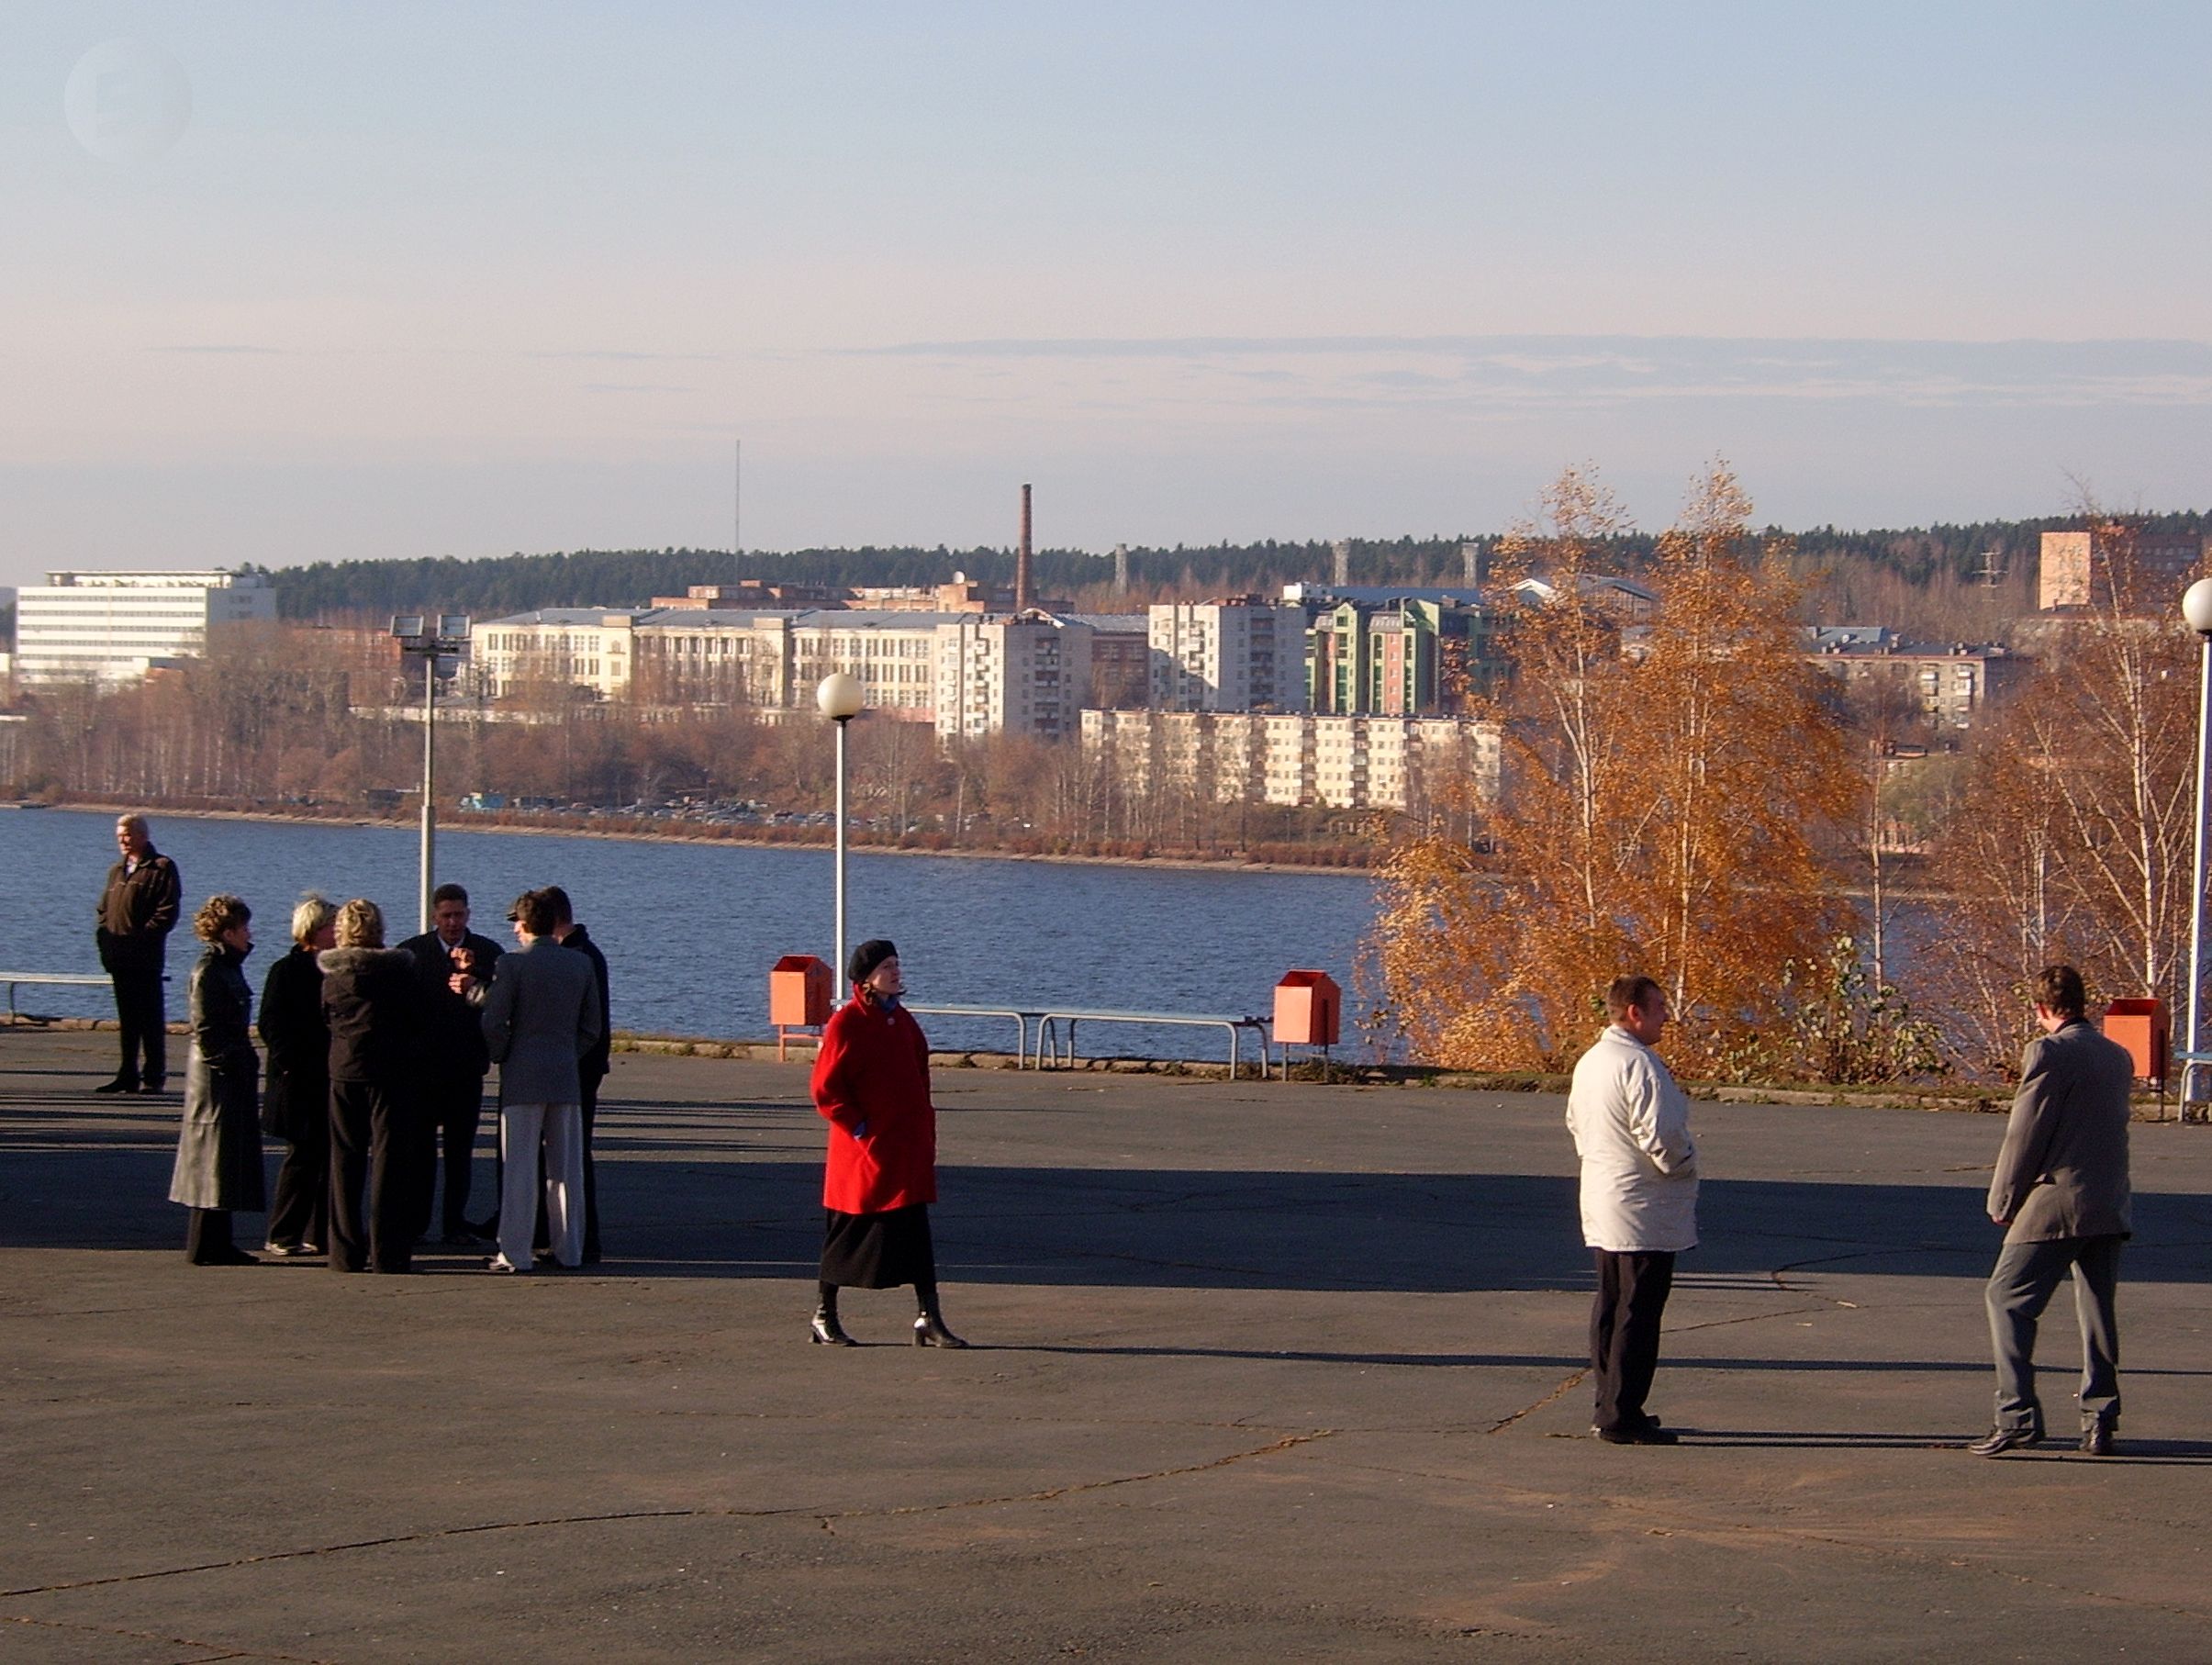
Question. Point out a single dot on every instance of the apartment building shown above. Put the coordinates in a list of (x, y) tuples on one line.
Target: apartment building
[(114, 627), (1025, 675), (1298, 759), (1402, 656), (1950, 683), (1240, 654)]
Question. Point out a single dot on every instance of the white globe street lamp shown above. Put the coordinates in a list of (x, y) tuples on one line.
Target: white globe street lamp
[(841, 698), (2197, 612)]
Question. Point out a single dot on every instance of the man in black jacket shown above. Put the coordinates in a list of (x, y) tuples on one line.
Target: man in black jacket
[(136, 910), (593, 1066), (455, 1061)]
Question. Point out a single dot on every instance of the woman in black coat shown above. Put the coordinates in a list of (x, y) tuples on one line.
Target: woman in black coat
[(218, 1149), (296, 1092), (374, 1004)]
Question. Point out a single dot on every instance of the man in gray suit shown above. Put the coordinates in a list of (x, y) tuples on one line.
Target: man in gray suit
[(2060, 1191), (541, 1015)]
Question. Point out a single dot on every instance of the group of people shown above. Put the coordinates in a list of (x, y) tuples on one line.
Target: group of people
[(376, 1055), (374, 1068), (2061, 1194)]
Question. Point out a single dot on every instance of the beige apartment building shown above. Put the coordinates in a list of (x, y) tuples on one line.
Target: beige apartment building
[(962, 673), (1298, 759)]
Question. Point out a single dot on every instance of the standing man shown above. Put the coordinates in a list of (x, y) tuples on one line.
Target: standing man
[(593, 1067), (1631, 1127), (541, 1016), (2062, 1193), (136, 910), (453, 1058)]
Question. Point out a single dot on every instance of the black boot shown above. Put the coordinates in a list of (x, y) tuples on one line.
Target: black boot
[(929, 1327), (825, 1330)]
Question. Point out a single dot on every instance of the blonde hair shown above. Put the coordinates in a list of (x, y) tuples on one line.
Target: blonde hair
[(219, 914), (361, 924), (310, 916)]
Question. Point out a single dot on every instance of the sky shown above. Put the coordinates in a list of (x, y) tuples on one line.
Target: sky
[(285, 283)]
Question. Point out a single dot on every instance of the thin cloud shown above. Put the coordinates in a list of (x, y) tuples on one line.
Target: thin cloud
[(223, 348)]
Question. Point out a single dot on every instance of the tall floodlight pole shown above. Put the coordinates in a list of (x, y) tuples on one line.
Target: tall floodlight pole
[(2196, 611), (840, 698), (419, 636)]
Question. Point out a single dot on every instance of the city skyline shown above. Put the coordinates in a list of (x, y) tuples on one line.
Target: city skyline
[(418, 283)]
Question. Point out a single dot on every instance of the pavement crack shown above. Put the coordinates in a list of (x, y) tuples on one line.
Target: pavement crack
[(827, 1519), (1551, 1397), (206, 1649)]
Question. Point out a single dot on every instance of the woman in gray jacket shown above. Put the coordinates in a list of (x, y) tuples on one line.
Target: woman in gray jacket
[(219, 1149), (541, 1015)]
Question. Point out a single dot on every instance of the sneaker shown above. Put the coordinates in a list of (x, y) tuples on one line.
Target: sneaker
[(288, 1251)]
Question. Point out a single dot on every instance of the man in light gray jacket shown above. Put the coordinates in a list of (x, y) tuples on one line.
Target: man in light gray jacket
[(1631, 1127), (2062, 1193), (541, 1015)]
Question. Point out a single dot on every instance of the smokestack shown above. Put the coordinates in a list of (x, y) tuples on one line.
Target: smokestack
[(1023, 594), (1472, 565), (1121, 569), (1343, 551)]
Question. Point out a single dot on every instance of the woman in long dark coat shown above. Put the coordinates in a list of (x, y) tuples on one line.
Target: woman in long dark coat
[(872, 1084), (374, 1006), (295, 1090), (218, 1149)]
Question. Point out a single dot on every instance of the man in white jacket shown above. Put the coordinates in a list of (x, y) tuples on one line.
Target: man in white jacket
[(1631, 1127)]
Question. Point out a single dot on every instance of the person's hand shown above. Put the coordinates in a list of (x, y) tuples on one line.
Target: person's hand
[(1999, 1219), (459, 982)]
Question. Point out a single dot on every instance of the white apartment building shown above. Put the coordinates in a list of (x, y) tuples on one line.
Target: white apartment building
[(963, 673), (555, 649), (1241, 654), (114, 627), (1026, 675), (1348, 763)]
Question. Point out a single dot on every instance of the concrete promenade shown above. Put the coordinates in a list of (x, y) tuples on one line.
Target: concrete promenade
[(1260, 1371)]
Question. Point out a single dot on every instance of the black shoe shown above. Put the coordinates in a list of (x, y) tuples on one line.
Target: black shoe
[(118, 1085), (1998, 1441), (1648, 1422), (2097, 1439), (824, 1330), (1648, 1433), (230, 1256), (149, 1089), (929, 1332)]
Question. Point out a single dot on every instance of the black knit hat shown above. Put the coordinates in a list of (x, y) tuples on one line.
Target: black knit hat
[(868, 956)]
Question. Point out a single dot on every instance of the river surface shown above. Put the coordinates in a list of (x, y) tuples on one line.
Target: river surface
[(691, 930)]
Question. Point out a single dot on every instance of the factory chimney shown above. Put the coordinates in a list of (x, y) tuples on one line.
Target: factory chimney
[(1342, 549), (1121, 569), (1024, 594)]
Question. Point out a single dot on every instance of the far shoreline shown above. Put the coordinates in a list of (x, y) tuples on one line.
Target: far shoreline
[(462, 822)]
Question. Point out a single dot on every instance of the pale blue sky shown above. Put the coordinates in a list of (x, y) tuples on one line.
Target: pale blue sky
[(464, 279)]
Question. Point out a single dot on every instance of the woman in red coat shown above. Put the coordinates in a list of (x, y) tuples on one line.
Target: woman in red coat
[(872, 1083)]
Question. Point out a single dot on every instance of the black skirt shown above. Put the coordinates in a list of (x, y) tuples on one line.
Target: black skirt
[(878, 1251)]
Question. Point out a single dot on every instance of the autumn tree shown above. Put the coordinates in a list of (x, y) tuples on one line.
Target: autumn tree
[(2073, 840), (1665, 786)]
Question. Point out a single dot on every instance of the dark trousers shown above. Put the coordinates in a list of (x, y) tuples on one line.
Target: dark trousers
[(300, 1213), (1624, 1332), (145, 1025), (207, 1235), (370, 1138), (2025, 1278), (451, 1109)]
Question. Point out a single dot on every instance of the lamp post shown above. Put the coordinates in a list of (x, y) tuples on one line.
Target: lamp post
[(2196, 611), (840, 698), (449, 639)]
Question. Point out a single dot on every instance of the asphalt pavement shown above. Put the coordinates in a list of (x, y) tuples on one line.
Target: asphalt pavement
[(1260, 1371)]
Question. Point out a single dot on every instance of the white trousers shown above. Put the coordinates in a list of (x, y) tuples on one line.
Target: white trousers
[(558, 1129)]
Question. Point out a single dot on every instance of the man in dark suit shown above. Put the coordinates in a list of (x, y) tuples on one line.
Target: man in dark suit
[(592, 1066), (455, 1061), (2062, 1193), (136, 912)]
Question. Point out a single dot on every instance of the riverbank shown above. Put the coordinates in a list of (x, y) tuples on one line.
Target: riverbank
[(651, 832)]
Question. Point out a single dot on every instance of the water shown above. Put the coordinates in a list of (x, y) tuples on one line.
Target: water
[(690, 930)]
